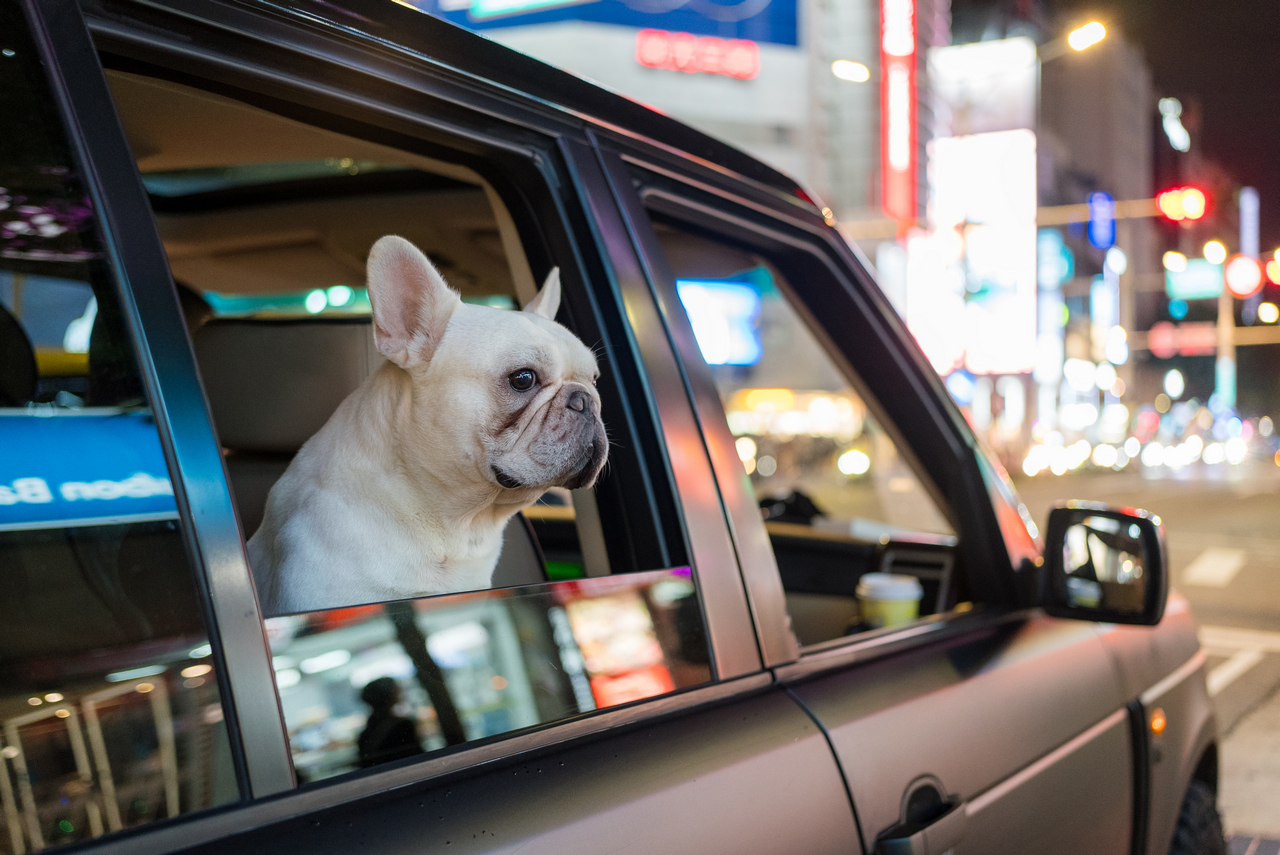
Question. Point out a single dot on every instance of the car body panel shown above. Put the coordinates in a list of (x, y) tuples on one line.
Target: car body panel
[(1163, 668), (677, 786), (975, 711)]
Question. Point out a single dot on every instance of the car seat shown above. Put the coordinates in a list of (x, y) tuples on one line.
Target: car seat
[(273, 383)]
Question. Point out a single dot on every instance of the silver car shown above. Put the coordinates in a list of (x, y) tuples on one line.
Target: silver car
[(803, 610)]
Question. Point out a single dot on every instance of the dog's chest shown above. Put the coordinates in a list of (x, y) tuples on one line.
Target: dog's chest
[(416, 560)]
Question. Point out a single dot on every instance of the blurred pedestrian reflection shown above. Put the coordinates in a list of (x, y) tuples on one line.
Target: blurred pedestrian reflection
[(386, 736)]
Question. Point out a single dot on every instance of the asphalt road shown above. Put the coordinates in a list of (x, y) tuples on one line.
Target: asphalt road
[(1223, 531)]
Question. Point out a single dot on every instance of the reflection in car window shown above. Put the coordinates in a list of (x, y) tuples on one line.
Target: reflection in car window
[(380, 683), (110, 715), (815, 455), (859, 543)]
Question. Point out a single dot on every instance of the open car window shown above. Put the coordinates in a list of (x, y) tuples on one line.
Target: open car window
[(268, 225)]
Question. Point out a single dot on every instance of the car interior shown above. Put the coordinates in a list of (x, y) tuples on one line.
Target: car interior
[(267, 223)]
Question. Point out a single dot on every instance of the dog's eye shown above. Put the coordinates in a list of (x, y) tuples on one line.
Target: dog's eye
[(522, 380)]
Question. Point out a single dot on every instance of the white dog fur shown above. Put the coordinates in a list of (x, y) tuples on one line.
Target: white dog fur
[(406, 489)]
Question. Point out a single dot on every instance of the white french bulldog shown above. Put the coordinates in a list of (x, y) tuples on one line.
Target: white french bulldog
[(406, 489)]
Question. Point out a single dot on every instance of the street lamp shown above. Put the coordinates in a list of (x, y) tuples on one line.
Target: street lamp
[(1078, 39), (1086, 36)]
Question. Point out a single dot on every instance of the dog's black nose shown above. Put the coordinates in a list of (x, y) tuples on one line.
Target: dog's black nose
[(579, 401)]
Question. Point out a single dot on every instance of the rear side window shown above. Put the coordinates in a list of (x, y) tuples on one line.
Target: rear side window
[(110, 714), (268, 225)]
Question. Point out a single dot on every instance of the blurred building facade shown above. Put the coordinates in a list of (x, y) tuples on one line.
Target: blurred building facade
[(999, 182), (789, 109)]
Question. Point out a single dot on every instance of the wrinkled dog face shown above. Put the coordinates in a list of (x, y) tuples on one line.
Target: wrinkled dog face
[(509, 397), (551, 433)]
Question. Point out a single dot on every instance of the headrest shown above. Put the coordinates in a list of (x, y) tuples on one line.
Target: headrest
[(272, 384), (17, 363)]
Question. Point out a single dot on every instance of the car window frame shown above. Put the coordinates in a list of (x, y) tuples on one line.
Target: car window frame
[(161, 333), (652, 182)]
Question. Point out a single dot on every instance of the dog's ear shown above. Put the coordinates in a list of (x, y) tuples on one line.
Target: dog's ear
[(547, 303), (411, 302)]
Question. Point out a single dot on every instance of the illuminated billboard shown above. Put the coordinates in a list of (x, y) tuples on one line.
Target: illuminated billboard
[(985, 86), (726, 320), (971, 282), (1198, 280), (698, 54), (769, 21), (898, 109)]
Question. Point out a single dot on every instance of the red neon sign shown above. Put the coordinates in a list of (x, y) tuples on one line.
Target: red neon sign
[(898, 110), (692, 54)]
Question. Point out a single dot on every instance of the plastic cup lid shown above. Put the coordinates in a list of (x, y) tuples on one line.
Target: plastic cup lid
[(889, 586)]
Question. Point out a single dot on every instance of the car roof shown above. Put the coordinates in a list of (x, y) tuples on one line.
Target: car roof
[(477, 56)]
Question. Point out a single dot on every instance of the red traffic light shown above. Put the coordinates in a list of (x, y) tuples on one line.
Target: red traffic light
[(1243, 275), (1182, 203)]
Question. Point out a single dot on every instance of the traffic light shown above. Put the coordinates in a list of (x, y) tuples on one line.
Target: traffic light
[(1182, 203)]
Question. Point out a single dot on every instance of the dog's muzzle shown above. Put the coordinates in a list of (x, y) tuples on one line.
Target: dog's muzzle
[(593, 461)]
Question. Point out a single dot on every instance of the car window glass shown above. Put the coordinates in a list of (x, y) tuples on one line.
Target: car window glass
[(815, 454), (380, 683), (110, 715), (269, 235), (832, 484)]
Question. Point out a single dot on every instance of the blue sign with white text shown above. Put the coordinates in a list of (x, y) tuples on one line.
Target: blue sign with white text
[(81, 468), (772, 21)]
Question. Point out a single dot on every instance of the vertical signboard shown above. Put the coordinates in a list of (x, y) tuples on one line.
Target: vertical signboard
[(971, 292), (898, 109), (972, 279)]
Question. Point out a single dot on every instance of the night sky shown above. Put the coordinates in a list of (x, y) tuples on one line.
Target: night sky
[(1227, 53)]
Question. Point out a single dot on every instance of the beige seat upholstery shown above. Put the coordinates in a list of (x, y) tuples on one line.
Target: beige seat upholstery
[(273, 383)]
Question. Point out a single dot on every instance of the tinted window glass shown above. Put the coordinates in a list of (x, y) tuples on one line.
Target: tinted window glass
[(380, 683), (109, 708), (815, 453), (860, 543)]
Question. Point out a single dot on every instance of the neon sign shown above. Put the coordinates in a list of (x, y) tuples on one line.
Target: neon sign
[(898, 109), (692, 54)]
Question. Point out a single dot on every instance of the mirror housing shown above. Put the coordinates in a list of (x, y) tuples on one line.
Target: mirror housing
[(1104, 564)]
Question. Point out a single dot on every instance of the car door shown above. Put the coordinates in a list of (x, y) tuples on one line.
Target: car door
[(998, 728), (729, 762)]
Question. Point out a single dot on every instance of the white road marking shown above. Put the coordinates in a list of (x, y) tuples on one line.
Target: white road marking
[(1226, 673), (1234, 638), (1243, 648), (1215, 567)]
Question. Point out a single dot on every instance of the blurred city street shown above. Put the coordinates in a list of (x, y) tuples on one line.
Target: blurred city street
[(1224, 548)]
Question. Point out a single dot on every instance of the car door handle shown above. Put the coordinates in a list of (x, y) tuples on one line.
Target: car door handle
[(936, 837)]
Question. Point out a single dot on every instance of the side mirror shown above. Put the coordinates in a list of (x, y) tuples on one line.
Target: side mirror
[(1105, 564)]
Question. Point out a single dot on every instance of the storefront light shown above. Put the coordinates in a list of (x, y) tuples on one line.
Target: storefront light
[(854, 72)]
